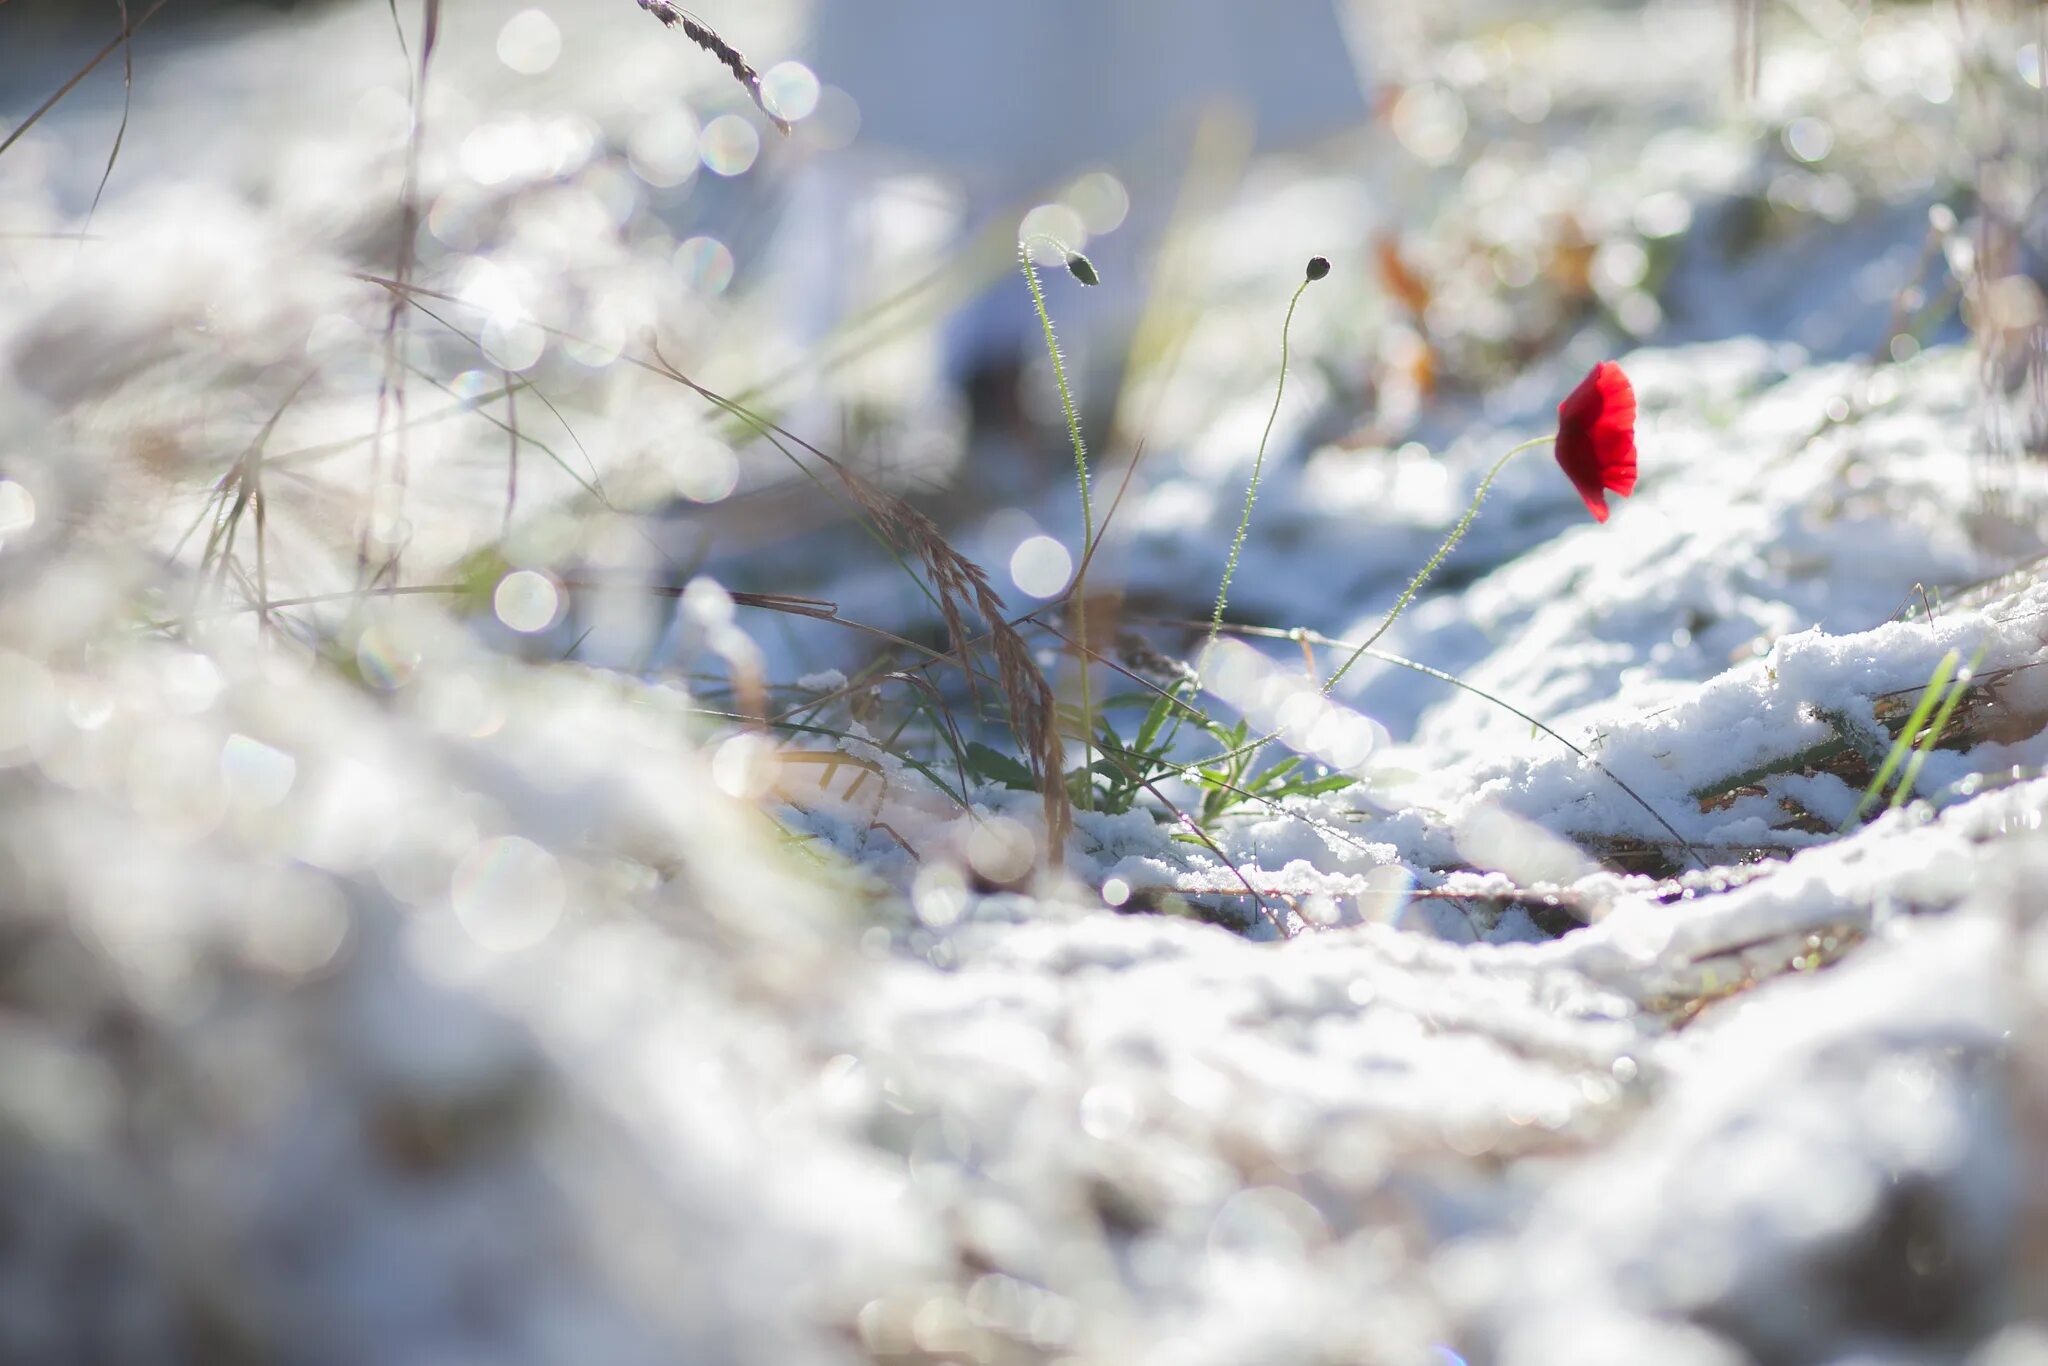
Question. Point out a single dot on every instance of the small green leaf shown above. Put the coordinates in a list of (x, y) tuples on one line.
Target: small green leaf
[(1318, 787), (994, 766), (1148, 729), (1277, 774)]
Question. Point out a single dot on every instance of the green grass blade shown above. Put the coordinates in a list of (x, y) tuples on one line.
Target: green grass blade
[(1929, 696), (1910, 783)]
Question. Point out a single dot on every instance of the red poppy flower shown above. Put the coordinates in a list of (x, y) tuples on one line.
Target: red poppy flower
[(1596, 437)]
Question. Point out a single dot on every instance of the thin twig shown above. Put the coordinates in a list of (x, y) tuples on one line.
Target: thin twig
[(1187, 822), (1387, 657), (391, 383), (512, 453), (127, 106), (119, 41)]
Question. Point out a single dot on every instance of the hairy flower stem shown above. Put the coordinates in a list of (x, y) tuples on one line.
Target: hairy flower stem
[(1251, 491), (1077, 594), (1422, 576), (1401, 604)]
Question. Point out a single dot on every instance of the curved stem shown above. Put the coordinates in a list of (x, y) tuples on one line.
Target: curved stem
[(1059, 374), (1401, 604), (1078, 592), (1251, 492), (1422, 576)]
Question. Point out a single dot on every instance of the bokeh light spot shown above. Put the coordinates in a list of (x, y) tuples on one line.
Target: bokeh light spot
[(188, 683), (472, 386), (1001, 850), (1380, 902), (508, 150), (513, 344), (705, 263), (1041, 566), (707, 472), (507, 893), (529, 43), (1058, 222), (729, 145), (257, 774), (600, 350), (663, 148), (745, 767), (384, 658), (1620, 264), (1430, 122), (527, 601), (940, 895), (1101, 200), (791, 90), (835, 122), (1809, 139), (1638, 312), (1663, 214), (298, 931)]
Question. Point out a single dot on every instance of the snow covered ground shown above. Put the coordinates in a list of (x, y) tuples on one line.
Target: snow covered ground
[(406, 955)]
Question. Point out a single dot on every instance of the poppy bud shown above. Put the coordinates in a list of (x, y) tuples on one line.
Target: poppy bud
[(1082, 269), (1318, 267)]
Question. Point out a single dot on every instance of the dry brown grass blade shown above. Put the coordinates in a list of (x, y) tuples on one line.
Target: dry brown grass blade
[(512, 454), (236, 494), (1187, 823), (959, 581), (119, 41), (956, 582), (391, 384), (127, 106)]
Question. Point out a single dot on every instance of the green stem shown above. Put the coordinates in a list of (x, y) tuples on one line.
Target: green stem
[(1422, 577), (1077, 594), (1401, 605), (1251, 492)]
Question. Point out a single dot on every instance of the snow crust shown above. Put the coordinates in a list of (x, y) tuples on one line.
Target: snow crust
[(391, 982)]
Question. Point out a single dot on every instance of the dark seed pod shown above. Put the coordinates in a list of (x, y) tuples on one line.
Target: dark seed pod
[(1082, 269), (1318, 267)]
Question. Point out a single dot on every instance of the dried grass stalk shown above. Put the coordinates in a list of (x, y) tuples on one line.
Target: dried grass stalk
[(705, 37), (959, 582), (956, 582)]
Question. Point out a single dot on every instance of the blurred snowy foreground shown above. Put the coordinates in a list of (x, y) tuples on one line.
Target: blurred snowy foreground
[(375, 987)]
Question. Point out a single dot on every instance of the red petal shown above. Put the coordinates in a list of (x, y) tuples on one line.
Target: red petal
[(1596, 437)]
